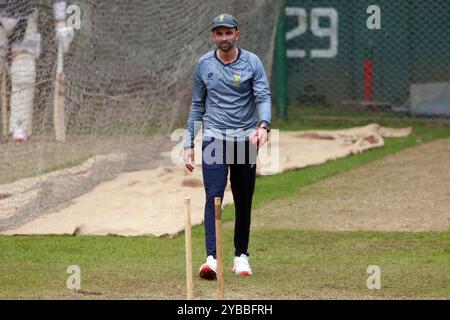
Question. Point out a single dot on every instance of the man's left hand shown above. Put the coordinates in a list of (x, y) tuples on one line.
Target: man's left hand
[(259, 137)]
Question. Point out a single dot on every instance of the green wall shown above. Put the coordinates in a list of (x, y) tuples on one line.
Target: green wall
[(412, 46)]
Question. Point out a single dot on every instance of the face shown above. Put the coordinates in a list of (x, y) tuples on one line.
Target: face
[(225, 38)]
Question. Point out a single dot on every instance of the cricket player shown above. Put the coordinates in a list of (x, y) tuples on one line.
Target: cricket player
[(231, 97), (19, 22)]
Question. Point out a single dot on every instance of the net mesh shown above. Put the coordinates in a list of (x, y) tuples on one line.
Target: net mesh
[(128, 79), (352, 59)]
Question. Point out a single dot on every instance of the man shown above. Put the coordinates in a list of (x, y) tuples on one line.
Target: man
[(230, 90), (18, 22)]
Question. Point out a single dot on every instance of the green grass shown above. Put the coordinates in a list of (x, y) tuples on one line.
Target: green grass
[(288, 264), (318, 117)]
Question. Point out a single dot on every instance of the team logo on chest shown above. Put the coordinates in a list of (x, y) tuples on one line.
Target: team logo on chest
[(236, 79)]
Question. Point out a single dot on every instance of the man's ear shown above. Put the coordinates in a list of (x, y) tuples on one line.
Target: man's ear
[(238, 34)]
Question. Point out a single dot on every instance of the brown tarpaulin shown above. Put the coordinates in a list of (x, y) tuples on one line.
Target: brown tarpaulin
[(151, 202)]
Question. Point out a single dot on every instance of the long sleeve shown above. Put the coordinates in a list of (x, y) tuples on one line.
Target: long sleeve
[(261, 92), (197, 109)]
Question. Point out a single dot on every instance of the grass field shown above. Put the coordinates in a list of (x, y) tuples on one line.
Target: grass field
[(287, 263)]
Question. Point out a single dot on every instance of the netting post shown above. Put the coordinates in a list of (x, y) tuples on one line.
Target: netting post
[(280, 64)]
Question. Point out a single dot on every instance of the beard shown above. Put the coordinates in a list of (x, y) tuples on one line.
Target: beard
[(225, 46)]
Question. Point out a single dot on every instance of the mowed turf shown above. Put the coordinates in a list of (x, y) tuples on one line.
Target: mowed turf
[(287, 264)]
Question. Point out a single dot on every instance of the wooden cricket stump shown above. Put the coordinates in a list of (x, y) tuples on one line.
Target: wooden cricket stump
[(58, 108), (188, 243), (220, 277), (4, 104)]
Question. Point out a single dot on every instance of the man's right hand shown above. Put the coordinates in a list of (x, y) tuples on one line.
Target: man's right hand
[(188, 158)]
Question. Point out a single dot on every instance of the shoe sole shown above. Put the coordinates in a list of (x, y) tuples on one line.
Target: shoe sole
[(207, 273), (242, 273)]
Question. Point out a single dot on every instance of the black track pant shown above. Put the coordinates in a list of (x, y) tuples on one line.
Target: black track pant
[(238, 158)]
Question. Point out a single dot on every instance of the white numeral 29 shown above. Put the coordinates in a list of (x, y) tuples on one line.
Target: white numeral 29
[(316, 29)]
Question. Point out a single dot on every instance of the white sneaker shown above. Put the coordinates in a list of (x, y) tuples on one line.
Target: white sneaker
[(241, 265), (19, 135), (208, 269)]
